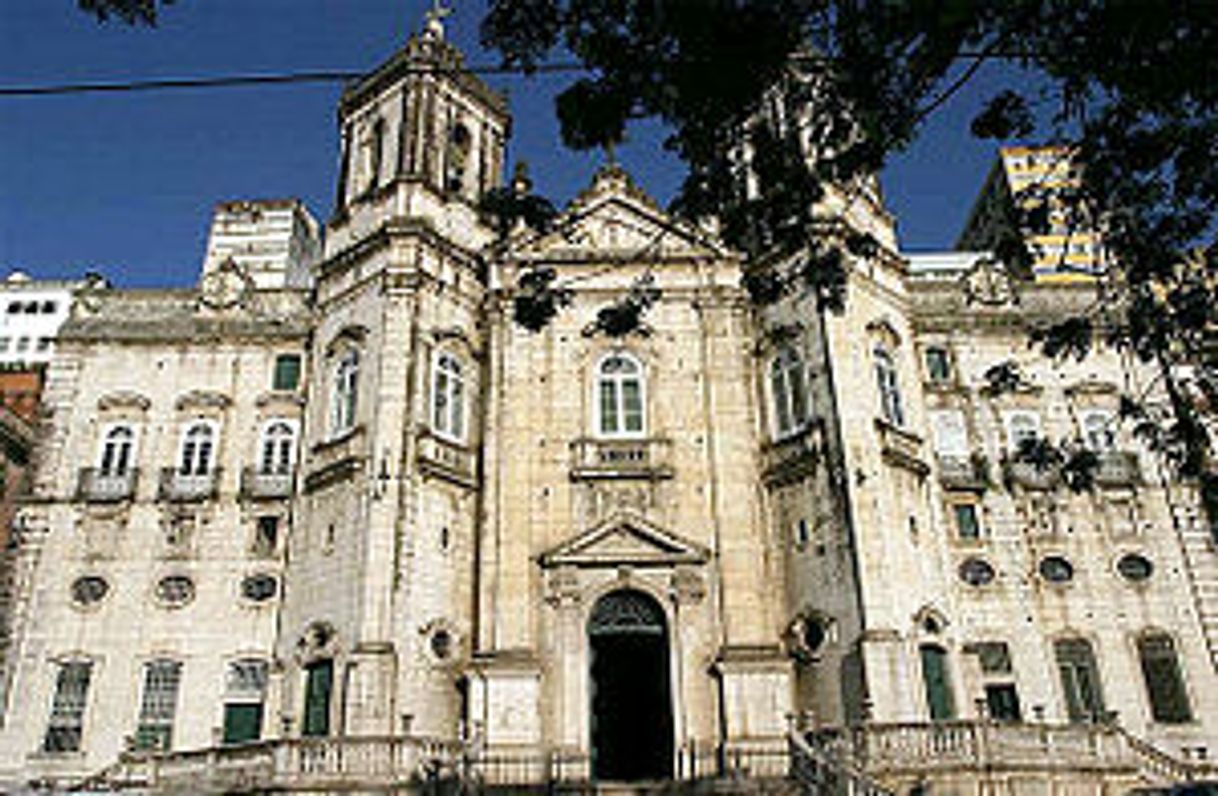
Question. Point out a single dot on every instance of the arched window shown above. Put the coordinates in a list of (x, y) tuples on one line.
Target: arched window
[(1023, 428), (619, 387), (789, 391), (278, 446), (448, 398), (345, 395), (890, 389), (198, 447), (1098, 432), (1080, 679), (1164, 685), (116, 451)]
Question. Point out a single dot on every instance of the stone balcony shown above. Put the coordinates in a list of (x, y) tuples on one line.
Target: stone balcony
[(257, 485), (94, 486), (647, 458), (1029, 475), (794, 456), (901, 447), (969, 471), (446, 459), (179, 487), (1118, 469)]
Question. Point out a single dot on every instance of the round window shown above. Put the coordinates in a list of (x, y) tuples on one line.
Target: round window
[(442, 644), (1135, 567), (1056, 569), (976, 572), (259, 588), (175, 590), (89, 589)]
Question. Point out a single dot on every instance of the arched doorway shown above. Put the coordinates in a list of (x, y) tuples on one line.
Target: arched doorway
[(631, 704)]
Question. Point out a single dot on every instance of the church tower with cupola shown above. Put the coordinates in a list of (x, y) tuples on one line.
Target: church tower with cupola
[(382, 547)]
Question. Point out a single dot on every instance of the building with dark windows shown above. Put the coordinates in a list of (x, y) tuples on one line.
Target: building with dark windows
[(371, 534)]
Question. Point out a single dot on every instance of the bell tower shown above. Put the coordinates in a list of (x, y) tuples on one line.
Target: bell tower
[(374, 642)]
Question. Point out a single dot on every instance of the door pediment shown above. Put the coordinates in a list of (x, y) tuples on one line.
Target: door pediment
[(625, 539)]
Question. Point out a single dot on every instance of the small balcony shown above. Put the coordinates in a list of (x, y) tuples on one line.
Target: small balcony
[(793, 457), (95, 486), (179, 487), (1118, 469), (647, 458), (1029, 475), (258, 485), (447, 459), (967, 472), (901, 447)]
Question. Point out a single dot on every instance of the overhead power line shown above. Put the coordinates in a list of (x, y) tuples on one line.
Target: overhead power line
[(231, 81)]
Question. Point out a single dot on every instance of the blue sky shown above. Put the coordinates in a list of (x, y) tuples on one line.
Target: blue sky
[(124, 183)]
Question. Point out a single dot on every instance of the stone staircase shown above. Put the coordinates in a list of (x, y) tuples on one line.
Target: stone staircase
[(1201, 556)]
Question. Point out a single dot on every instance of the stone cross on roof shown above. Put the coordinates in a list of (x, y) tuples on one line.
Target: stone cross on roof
[(433, 28)]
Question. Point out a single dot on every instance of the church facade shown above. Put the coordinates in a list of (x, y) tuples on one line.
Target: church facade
[(358, 534)]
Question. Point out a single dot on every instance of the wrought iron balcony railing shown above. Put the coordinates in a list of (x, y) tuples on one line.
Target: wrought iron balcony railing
[(97, 486)]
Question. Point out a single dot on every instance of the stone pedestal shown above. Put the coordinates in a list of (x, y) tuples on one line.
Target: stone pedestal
[(505, 699), (756, 692), (369, 673)]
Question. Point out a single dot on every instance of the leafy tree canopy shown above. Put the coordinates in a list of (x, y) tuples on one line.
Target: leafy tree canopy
[(132, 12), (769, 102)]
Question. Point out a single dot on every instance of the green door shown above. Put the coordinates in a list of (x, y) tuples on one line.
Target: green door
[(318, 685), (242, 722), (938, 688)]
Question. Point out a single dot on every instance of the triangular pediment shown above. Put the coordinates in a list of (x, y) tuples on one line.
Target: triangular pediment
[(625, 539), (615, 218)]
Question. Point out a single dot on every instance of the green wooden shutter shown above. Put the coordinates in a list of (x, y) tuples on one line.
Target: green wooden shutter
[(242, 722), (317, 698), (938, 689)]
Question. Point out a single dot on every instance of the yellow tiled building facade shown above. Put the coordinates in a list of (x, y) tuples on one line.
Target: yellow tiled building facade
[(377, 532)]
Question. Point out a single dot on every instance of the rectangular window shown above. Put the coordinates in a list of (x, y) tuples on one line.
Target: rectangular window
[(245, 690), (1164, 685), (1002, 702), (44, 344), (5, 342), (23, 344), (632, 409), (938, 365), (967, 524), (266, 535), (158, 705), (319, 680), (939, 699), (609, 423), (993, 656), (66, 726), (287, 372)]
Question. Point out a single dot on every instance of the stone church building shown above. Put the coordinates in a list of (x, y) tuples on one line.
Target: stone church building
[(356, 528)]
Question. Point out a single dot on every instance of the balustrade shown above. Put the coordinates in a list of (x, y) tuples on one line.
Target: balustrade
[(98, 486)]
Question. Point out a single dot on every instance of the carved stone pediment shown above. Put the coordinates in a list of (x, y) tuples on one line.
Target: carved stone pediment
[(614, 218), (625, 539)]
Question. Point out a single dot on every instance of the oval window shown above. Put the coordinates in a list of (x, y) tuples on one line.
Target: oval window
[(1135, 567), (442, 644), (1056, 569), (175, 590), (89, 589), (976, 572), (259, 588)]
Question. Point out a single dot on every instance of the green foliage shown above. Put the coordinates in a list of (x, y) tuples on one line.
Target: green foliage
[(132, 12)]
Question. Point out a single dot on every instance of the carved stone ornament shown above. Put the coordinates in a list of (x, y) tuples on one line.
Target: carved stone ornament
[(225, 287), (988, 283), (562, 586), (688, 585)]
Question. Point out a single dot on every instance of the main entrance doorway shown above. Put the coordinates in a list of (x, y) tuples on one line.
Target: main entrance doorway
[(631, 701)]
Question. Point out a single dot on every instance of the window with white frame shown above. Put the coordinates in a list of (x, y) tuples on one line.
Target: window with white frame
[(198, 449), (158, 704), (66, 725), (891, 407), (278, 448), (619, 387), (448, 397), (949, 432), (118, 444), (344, 398), (245, 690), (1023, 428), (1099, 433), (789, 390)]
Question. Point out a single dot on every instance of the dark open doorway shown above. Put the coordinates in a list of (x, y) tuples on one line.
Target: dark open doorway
[(631, 701)]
